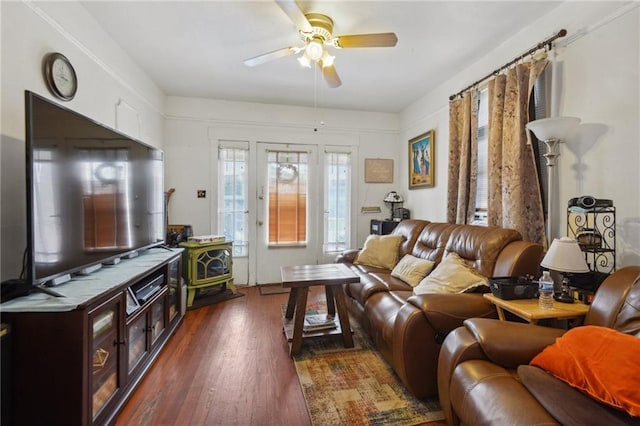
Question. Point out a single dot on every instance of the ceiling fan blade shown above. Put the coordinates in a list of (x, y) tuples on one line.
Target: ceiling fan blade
[(330, 75), (291, 8), (266, 57), (366, 40)]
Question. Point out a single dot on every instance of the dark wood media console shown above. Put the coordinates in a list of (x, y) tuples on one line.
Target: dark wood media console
[(77, 359)]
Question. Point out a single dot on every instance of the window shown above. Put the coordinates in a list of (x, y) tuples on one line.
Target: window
[(482, 182), (287, 214), (233, 159), (538, 108), (337, 201)]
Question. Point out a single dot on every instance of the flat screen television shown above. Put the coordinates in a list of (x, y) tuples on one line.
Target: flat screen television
[(94, 195)]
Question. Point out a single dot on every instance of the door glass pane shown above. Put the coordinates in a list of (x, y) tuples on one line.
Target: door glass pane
[(232, 220), (287, 213), (337, 201)]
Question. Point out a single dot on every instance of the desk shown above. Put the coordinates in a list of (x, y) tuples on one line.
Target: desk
[(529, 310), (299, 279)]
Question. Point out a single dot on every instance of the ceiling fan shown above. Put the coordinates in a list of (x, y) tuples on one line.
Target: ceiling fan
[(316, 31)]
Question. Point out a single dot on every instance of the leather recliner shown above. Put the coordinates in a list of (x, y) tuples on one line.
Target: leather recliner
[(408, 329), (478, 381)]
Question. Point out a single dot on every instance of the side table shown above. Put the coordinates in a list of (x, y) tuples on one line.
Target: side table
[(529, 310)]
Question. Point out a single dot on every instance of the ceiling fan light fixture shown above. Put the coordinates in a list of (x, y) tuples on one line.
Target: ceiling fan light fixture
[(314, 49), (304, 60), (327, 59)]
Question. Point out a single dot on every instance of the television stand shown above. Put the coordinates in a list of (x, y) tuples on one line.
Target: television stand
[(101, 348)]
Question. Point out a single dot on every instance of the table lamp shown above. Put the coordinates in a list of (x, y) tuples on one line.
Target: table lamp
[(565, 256), (393, 198)]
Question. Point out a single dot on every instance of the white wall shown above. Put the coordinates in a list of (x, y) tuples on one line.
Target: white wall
[(195, 125), (107, 78), (598, 81)]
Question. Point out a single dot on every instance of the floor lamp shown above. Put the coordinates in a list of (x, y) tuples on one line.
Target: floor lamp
[(552, 131)]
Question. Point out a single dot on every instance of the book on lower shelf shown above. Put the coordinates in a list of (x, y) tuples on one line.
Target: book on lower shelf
[(318, 322)]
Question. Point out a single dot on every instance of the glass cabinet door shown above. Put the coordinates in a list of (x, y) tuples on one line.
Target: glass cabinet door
[(137, 337), (175, 289), (105, 347), (157, 319)]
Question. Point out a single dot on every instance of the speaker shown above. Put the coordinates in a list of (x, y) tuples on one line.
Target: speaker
[(401, 213)]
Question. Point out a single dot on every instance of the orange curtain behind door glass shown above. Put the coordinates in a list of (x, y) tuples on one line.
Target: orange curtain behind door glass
[(287, 198)]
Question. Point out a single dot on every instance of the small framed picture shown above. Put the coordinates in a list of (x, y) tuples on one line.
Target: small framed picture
[(378, 170), (422, 161)]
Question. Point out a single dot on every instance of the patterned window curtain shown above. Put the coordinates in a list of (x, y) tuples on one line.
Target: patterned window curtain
[(463, 158), (514, 189)]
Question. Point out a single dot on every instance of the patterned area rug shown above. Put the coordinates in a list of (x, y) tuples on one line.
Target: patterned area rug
[(356, 386)]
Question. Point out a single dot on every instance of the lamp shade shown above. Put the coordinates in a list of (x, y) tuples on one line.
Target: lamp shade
[(565, 255), (393, 197), (553, 128)]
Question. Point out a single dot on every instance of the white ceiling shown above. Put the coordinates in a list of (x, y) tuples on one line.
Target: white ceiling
[(197, 48)]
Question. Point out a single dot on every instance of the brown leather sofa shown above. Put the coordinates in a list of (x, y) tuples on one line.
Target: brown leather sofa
[(483, 378), (408, 329)]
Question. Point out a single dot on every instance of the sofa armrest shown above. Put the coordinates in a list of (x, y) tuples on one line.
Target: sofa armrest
[(421, 326), (446, 312), (518, 258), (459, 346), (508, 344), (511, 344), (347, 256)]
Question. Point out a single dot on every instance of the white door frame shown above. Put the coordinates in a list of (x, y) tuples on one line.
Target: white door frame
[(268, 259), (245, 268)]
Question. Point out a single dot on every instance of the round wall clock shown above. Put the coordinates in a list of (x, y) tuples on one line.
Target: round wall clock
[(60, 76)]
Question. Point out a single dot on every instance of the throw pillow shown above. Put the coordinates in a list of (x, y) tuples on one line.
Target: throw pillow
[(380, 251), (452, 275), (599, 361), (412, 270)]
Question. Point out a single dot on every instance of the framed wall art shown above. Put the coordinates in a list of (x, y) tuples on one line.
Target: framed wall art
[(422, 161), (378, 170)]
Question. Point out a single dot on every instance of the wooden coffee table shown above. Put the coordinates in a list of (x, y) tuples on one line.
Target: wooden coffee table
[(299, 279)]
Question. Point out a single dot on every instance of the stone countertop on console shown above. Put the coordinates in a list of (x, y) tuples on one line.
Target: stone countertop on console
[(82, 288)]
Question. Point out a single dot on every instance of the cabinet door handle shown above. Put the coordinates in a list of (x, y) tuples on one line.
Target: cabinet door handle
[(118, 342)]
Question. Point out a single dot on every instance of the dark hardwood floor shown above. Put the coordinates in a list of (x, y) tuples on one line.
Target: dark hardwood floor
[(227, 364)]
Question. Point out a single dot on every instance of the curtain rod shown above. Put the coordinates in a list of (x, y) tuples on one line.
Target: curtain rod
[(539, 46)]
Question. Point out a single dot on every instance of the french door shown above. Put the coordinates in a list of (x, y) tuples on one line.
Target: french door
[(289, 211)]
